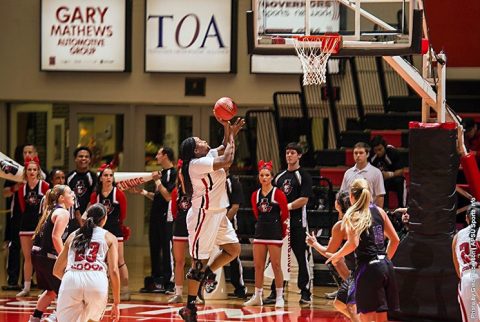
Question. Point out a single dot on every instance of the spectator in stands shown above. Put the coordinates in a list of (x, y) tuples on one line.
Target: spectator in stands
[(386, 158), (363, 169), (472, 137)]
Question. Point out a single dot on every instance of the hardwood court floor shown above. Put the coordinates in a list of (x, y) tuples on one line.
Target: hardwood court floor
[(153, 307)]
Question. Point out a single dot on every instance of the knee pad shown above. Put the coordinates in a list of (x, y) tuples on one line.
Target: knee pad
[(196, 273)]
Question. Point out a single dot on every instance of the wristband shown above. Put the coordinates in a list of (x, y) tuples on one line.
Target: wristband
[(289, 206), (144, 192), (158, 182)]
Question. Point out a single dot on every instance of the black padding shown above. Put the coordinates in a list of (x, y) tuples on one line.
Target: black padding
[(423, 263)]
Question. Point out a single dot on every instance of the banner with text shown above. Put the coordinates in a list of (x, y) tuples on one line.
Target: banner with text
[(83, 35), (188, 36)]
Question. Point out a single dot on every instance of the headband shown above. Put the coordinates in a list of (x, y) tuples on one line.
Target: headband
[(29, 160), (265, 165)]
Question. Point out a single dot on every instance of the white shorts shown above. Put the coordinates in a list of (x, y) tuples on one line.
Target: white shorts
[(467, 294), (83, 296), (207, 228)]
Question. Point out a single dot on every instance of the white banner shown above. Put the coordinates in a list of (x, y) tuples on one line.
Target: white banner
[(188, 36), (83, 35)]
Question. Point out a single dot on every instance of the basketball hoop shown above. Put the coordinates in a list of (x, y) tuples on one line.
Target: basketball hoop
[(314, 52)]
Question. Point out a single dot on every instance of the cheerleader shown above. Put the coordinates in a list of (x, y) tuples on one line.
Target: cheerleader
[(116, 204), (28, 199), (270, 208), (179, 206)]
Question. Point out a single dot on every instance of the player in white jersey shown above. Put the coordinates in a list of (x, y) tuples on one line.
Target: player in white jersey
[(466, 259), (82, 267), (205, 180)]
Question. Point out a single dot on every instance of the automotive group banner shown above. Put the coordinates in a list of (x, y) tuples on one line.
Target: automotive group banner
[(83, 35), (188, 36)]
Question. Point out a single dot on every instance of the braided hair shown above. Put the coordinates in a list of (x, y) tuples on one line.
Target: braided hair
[(83, 235), (187, 151)]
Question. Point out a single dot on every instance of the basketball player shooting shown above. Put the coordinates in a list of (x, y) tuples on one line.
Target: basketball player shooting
[(205, 180)]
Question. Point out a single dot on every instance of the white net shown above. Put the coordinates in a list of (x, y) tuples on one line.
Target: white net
[(314, 56)]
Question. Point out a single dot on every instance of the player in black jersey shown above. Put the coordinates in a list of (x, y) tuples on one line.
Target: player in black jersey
[(49, 237), (345, 298), (297, 186), (82, 181), (367, 226)]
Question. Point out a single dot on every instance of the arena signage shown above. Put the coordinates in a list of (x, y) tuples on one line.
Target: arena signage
[(84, 35), (194, 36)]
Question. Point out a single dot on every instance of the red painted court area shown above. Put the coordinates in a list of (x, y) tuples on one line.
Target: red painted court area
[(14, 310)]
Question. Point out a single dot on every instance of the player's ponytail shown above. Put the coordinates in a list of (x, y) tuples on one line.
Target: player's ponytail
[(358, 216), (187, 150), (83, 235), (48, 205)]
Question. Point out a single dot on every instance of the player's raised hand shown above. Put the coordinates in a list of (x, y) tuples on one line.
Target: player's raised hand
[(237, 126), (310, 239)]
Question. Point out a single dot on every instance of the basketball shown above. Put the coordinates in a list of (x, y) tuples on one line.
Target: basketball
[(225, 108)]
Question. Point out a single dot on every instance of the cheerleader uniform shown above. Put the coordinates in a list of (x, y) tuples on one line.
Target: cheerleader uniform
[(44, 254), (271, 212), (116, 205), (179, 206), (29, 201), (83, 293)]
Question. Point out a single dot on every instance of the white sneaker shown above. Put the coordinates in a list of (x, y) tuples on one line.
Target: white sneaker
[(280, 302), (23, 293), (254, 301), (175, 299), (125, 296), (51, 318)]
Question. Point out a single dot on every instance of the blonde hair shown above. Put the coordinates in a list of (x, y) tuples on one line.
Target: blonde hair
[(358, 216), (51, 199)]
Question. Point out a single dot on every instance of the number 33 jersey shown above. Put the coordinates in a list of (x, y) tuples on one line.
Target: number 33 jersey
[(94, 258)]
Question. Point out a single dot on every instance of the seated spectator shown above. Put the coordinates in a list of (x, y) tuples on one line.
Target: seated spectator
[(386, 158), (472, 137)]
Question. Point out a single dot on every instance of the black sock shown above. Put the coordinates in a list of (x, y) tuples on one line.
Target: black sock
[(37, 314), (191, 301)]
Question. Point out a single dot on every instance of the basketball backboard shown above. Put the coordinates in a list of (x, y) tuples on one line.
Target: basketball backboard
[(367, 27)]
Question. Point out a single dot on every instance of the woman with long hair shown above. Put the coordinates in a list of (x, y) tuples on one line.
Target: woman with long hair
[(28, 199), (270, 208), (48, 240), (345, 298), (114, 200), (466, 258), (179, 206), (367, 226), (90, 253)]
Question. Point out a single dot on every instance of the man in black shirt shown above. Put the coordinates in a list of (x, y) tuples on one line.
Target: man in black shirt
[(297, 186), (235, 197), (387, 159), (82, 181), (161, 224)]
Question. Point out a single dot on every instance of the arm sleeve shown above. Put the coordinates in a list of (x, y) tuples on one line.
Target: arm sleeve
[(122, 201), (201, 166), (173, 203), (253, 201), (284, 214), (93, 198), (170, 180)]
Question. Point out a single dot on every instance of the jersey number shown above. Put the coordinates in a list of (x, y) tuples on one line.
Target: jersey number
[(90, 254), (465, 252)]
